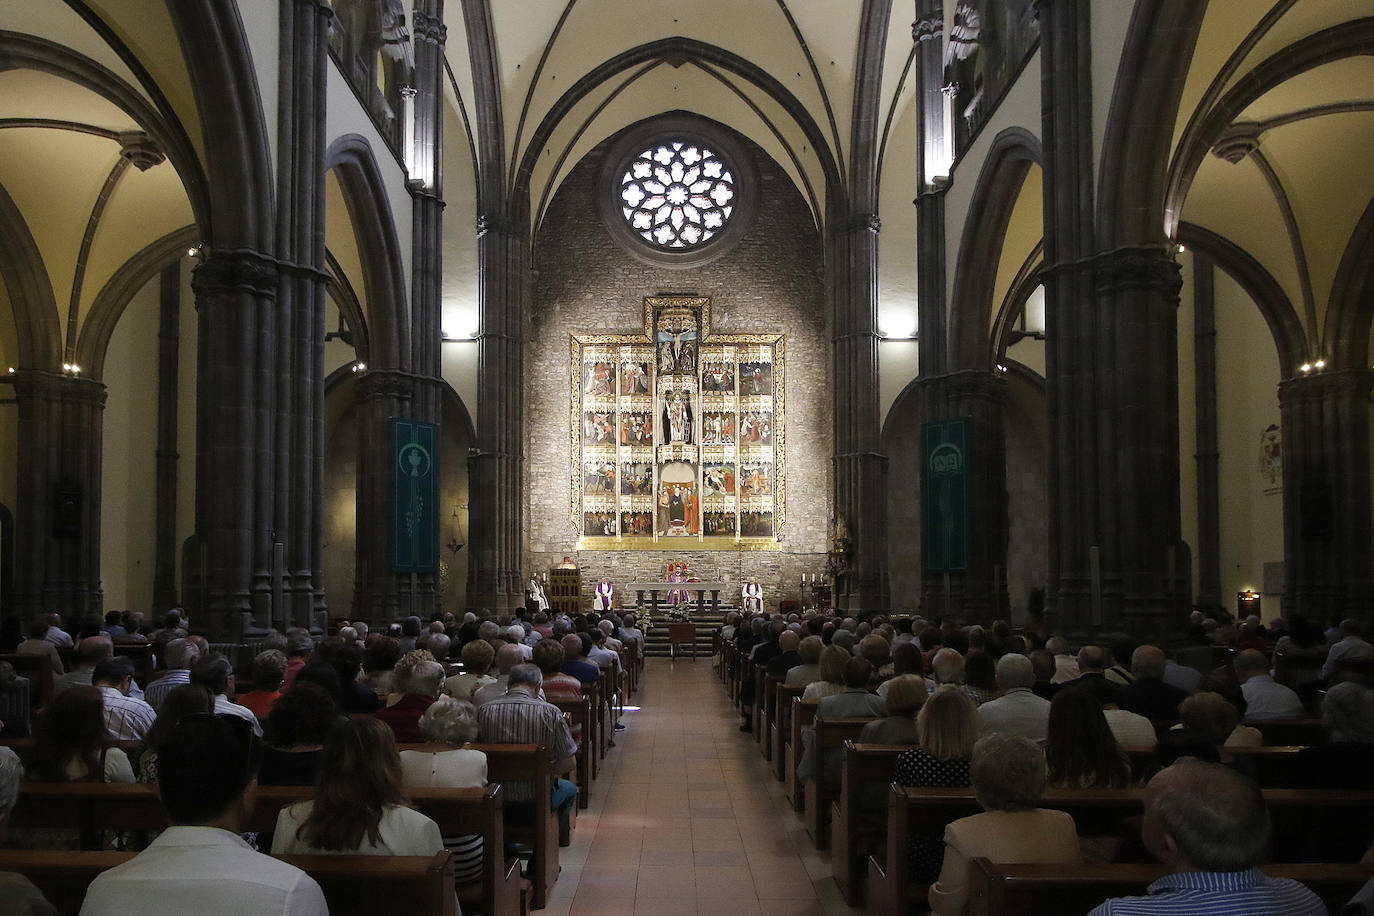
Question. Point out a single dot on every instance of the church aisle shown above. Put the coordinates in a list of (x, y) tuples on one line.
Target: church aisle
[(686, 819)]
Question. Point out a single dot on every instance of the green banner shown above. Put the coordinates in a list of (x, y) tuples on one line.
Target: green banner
[(414, 496), (944, 495)]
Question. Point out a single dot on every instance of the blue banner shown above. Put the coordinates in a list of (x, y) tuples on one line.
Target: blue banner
[(414, 496), (944, 495)]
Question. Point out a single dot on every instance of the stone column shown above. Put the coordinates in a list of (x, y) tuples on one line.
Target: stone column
[(168, 346), (377, 591), (57, 561), (299, 318), (1071, 357), (236, 483), (426, 190), (932, 164), (1326, 493), (979, 593), (495, 535), (860, 471), (1145, 564), (1207, 453)]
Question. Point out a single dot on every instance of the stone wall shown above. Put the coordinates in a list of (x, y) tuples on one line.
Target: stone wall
[(771, 282)]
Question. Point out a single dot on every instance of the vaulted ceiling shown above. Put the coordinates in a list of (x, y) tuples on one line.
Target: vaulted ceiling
[(85, 184), (1271, 146)]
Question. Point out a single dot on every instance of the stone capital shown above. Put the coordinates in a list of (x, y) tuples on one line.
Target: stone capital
[(38, 384), (1138, 267), (386, 383), (429, 27), (1324, 385), (927, 29), (236, 271), (864, 222)]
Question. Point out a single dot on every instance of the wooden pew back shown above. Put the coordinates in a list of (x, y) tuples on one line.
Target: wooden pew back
[(859, 809), (803, 714), (352, 885), (831, 734), (91, 807), (38, 669), (781, 726)]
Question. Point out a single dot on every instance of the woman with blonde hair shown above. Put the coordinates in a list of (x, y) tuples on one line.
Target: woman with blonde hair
[(359, 807), (946, 729), (833, 660)]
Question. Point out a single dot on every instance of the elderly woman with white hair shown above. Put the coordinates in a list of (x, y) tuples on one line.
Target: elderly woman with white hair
[(452, 723), (1008, 780)]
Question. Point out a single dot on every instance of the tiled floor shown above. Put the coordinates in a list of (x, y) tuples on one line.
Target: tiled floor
[(685, 818)]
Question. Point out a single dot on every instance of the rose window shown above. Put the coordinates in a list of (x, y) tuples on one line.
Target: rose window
[(677, 195)]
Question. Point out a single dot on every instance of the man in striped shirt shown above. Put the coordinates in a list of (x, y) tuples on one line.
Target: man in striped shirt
[(180, 655), (1210, 825), (520, 717), (126, 718)]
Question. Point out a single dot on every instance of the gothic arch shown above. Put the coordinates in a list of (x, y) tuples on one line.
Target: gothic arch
[(1013, 151), (18, 51), (241, 212), (678, 48), (114, 296), (364, 193), (1140, 122), (1351, 305), (30, 291), (1260, 286)]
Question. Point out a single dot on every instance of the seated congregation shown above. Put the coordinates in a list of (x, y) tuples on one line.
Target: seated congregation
[(441, 764), (956, 770)]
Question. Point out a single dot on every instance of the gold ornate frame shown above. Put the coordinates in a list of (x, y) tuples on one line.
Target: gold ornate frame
[(576, 344)]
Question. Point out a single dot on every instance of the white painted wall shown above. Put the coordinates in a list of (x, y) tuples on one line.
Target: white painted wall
[(897, 367), (128, 505), (1247, 398)]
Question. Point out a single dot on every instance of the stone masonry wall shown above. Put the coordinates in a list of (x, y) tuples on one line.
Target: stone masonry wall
[(771, 282)]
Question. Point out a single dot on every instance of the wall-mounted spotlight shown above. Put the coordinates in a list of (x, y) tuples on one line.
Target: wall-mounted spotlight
[(359, 367), (69, 369)]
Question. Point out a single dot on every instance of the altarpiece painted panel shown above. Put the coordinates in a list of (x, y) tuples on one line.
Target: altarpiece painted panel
[(678, 434)]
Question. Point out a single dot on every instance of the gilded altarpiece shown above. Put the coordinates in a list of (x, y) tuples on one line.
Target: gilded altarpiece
[(678, 434)]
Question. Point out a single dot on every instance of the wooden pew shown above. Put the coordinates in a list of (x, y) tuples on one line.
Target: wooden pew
[(1273, 765), (867, 767), (92, 807), (1297, 732), (1296, 813), (831, 734), (770, 686), (579, 714), (803, 714), (1049, 890), (38, 669), (756, 714), (532, 823), (352, 885), (781, 725)]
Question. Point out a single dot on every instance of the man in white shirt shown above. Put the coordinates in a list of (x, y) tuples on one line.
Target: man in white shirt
[(1264, 698), (217, 675), (55, 634), (126, 718), (1351, 645), (208, 782), (1017, 711)]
